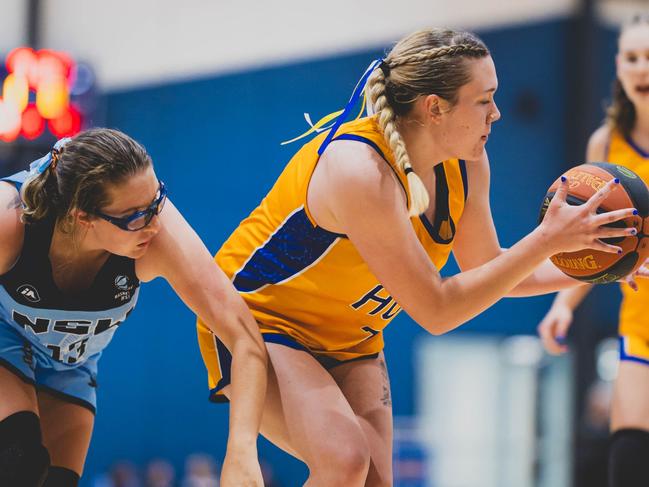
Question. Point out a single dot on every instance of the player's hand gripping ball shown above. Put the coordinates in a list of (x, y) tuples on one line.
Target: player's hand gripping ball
[(596, 266)]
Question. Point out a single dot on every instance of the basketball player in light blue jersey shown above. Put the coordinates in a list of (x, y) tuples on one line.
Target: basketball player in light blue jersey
[(79, 231)]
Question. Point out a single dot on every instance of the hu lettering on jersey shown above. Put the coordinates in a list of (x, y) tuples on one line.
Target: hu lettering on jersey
[(380, 302)]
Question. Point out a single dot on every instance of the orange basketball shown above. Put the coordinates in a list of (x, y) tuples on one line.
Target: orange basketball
[(595, 266)]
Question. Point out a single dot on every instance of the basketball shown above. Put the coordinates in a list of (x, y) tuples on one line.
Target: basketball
[(596, 266)]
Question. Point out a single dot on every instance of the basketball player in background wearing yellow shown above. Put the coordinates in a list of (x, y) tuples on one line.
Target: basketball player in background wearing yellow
[(623, 140)]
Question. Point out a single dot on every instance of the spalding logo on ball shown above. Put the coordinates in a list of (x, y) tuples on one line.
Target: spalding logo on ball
[(596, 266)]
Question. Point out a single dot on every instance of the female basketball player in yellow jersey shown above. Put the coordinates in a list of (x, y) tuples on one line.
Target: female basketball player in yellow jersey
[(357, 226), (623, 140)]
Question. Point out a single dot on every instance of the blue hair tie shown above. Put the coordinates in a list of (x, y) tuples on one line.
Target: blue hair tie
[(358, 91), (338, 117), (39, 166)]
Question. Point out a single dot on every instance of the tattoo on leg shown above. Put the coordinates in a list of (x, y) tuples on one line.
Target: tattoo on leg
[(386, 399)]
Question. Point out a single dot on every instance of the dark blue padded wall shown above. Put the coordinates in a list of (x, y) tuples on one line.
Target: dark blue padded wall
[(216, 143)]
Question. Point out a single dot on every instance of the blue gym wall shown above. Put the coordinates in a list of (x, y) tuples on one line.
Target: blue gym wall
[(216, 143)]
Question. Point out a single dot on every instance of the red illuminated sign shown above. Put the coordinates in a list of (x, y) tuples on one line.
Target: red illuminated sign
[(36, 93)]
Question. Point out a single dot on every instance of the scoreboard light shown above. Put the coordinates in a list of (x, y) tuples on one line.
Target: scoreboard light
[(67, 124), (16, 89), (52, 97), (9, 121), (36, 93), (33, 124), (24, 62)]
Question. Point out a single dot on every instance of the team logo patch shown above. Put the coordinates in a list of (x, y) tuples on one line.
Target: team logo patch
[(29, 292), (122, 283)]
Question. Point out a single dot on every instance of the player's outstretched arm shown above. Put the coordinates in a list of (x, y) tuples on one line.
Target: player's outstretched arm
[(368, 205), (476, 241), (178, 255)]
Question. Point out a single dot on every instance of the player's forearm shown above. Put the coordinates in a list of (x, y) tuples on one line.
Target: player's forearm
[(545, 279), (571, 298), (467, 294), (249, 371)]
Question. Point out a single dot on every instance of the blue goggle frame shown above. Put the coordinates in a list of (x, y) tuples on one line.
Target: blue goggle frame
[(139, 219)]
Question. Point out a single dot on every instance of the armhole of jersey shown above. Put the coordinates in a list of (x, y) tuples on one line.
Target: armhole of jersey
[(15, 261), (17, 180), (306, 202), (17, 184), (465, 178), (307, 212), (374, 146)]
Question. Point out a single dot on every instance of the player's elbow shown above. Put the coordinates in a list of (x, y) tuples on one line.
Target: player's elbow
[(239, 330), (444, 313), (439, 326), (435, 329), (246, 342), (439, 320), (435, 317)]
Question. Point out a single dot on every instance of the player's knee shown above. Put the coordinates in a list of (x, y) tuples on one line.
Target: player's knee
[(23, 458), (355, 460), (628, 455), (348, 460), (61, 477)]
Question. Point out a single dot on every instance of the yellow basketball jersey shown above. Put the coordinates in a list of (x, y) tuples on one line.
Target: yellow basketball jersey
[(312, 285), (634, 319)]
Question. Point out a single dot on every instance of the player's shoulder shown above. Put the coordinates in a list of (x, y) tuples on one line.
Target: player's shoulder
[(10, 203), (352, 178), (7, 190), (352, 164), (363, 155), (598, 144), (11, 226)]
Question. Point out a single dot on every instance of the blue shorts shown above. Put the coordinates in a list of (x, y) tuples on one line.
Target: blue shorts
[(76, 384)]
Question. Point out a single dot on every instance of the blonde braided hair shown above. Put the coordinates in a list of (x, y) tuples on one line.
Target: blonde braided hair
[(425, 62)]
